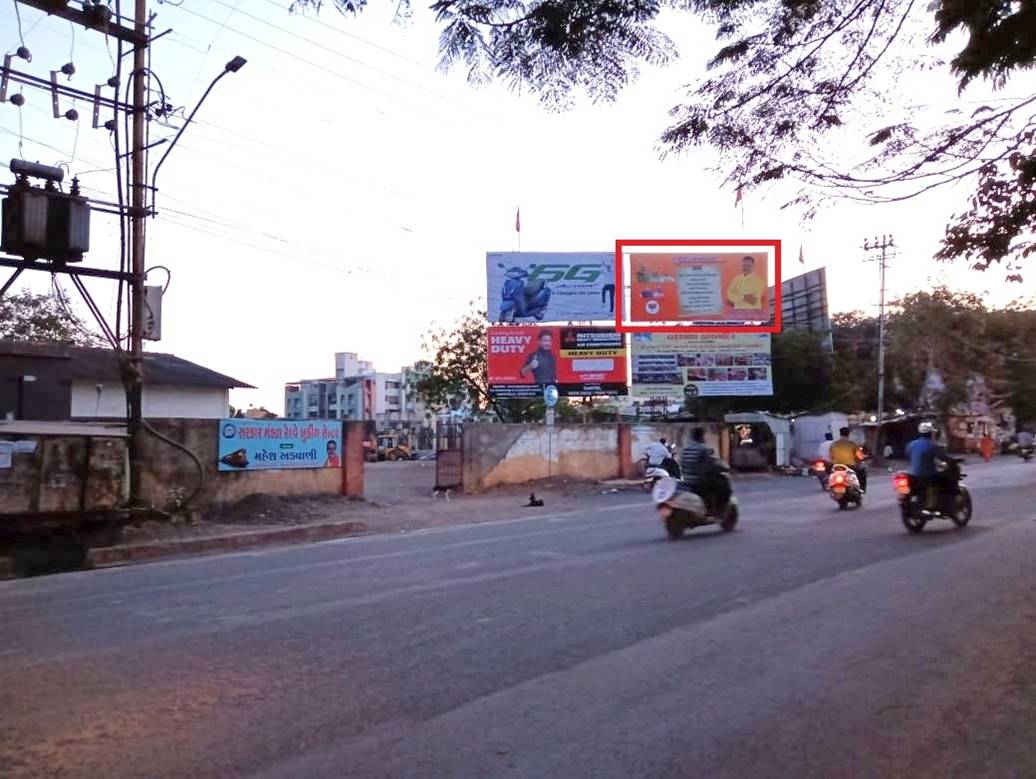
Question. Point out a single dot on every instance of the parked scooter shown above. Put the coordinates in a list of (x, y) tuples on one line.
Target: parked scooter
[(949, 500), (844, 486), (682, 510)]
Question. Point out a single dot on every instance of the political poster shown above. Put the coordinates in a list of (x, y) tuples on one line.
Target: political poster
[(709, 287), (274, 444), (711, 365), (577, 360), (531, 287)]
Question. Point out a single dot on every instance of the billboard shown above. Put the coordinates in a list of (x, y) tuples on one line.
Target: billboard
[(699, 287), (276, 444), (714, 364), (804, 305), (577, 360), (550, 286)]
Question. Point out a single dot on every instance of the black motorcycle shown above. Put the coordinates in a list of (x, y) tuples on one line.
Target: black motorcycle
[(945, 498)]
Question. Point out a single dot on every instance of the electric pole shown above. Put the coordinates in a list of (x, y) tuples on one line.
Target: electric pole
[(882, 245), (138, 214)]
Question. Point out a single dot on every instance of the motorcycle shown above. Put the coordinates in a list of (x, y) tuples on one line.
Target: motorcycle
[(1026, 453), (681, 509), (821, 471), (950, 500), (844, 487), (521, 298)]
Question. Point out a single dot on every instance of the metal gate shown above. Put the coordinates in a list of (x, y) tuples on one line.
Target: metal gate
[(449, 456)]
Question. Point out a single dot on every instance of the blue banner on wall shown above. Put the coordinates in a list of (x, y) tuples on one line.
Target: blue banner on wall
[(265, 444)]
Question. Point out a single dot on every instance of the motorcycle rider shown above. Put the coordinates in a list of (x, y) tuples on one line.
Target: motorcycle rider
[(659, 456), (847, 452), (1024, 439), (702, 472), (922, 454)]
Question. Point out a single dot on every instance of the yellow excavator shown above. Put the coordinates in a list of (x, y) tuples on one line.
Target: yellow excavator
[(392, 446)]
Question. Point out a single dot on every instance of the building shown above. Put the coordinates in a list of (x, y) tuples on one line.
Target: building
[(359, 392), (49, 382)]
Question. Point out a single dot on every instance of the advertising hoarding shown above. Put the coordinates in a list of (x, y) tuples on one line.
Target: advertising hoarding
[(277, 444), (804, 305), (535, 287), (576, 360), (699, 287), (714, 365)]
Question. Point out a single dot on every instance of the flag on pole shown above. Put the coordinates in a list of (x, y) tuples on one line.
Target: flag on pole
[(737, 200), (518, 220), (802, 260)]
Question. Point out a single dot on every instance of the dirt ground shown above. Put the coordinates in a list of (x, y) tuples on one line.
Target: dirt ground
[(398, 498)]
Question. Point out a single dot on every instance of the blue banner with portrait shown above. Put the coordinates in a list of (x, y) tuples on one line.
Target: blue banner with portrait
[(267, 444)]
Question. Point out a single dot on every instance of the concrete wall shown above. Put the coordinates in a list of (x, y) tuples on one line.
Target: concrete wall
[(171, 474), (160, 402), (50, 478), (516, 454)]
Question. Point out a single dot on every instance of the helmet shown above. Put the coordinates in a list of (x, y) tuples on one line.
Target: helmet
[(926, 428)]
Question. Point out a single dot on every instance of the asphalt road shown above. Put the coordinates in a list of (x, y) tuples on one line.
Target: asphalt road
[(810, 642)]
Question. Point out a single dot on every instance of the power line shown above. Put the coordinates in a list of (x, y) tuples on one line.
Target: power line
[(340, 55), (336, 74)]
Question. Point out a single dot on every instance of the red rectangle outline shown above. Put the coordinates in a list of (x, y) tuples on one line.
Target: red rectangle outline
[(620, 292)]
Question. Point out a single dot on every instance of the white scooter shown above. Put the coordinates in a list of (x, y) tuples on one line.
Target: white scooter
[(844, 487), (683, 510)]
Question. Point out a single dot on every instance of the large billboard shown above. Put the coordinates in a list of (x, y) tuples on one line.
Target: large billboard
[(550, 286), (275, 444), (708, 365), (699, 287), (577, 360), (804, 305)]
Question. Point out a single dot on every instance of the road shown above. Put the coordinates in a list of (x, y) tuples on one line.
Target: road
[(808, 643)]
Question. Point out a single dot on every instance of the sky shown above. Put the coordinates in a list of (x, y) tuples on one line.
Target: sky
[(339, 193)]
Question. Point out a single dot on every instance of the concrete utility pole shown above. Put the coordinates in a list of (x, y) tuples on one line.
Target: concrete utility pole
[(138, 221), (883, 245)]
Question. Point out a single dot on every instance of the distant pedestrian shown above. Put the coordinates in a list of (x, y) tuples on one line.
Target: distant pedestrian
[(887, 452)]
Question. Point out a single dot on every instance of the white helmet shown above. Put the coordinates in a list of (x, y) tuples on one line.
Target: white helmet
[(925, 428)]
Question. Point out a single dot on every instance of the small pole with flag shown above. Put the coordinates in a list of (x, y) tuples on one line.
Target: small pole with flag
[(739, 202), (518, 226), (802, 259)]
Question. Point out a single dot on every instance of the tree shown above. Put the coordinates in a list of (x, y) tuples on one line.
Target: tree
[(801, 373), (458, 373), (788, 76), (27, 317)]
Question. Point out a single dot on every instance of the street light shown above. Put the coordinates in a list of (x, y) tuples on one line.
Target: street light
[(231, 67)]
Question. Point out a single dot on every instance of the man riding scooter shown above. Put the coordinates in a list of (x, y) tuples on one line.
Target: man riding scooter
[(847, 452), (703, 473), (658, 455)]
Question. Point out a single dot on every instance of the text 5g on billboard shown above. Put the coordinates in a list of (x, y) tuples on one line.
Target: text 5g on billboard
[(531, 287)]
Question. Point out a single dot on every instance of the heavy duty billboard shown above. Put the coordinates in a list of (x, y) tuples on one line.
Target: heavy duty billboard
[(550, 286), (577, 360), (707, 365)]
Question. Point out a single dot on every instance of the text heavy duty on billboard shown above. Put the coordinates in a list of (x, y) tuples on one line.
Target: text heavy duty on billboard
[(577, 360)]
